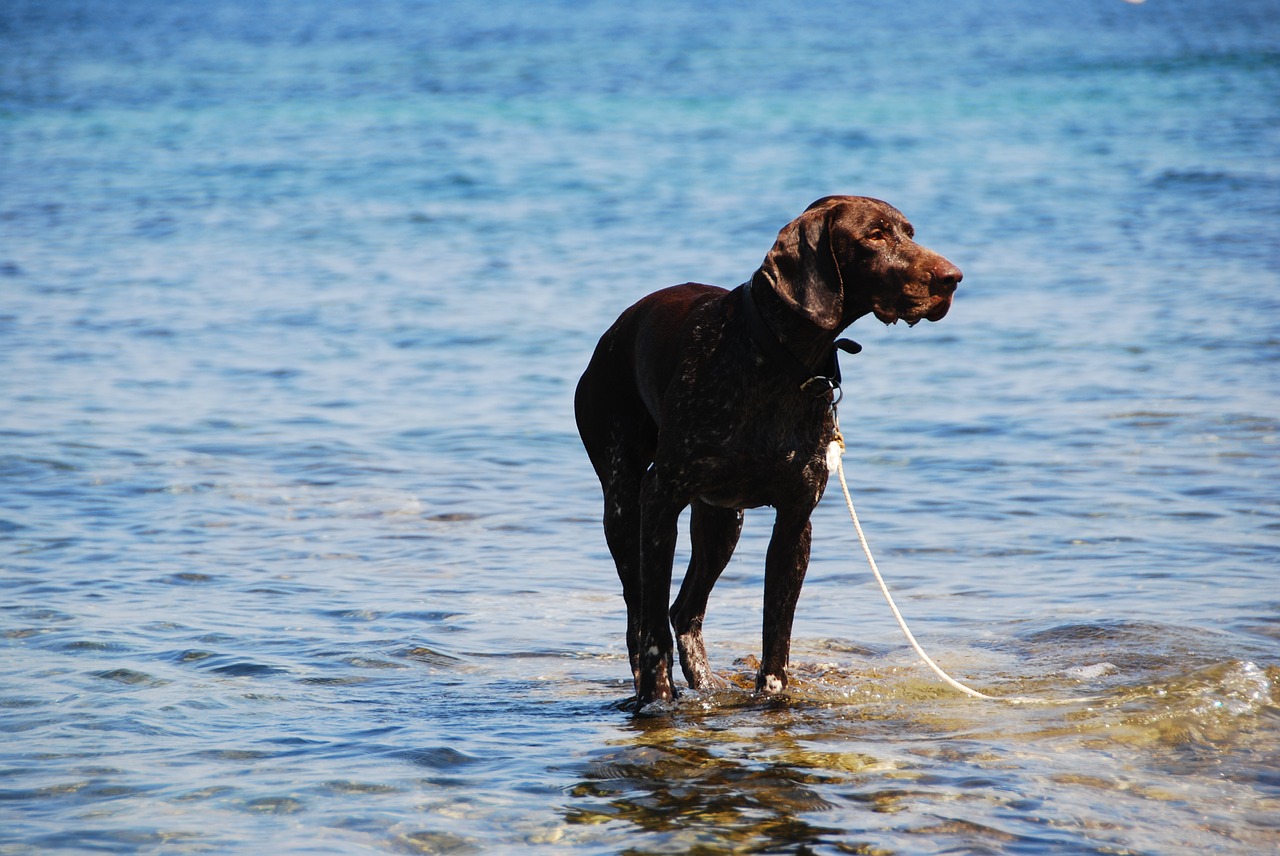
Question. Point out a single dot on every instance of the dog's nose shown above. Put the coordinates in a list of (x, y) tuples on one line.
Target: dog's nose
[(946, 276)]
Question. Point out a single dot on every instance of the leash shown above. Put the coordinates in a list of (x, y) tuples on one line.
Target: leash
[(837, 450)]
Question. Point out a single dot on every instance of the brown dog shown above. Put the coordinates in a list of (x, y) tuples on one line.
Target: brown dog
[(724, 400)]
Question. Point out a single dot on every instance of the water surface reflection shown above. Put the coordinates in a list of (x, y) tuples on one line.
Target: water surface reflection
[(880, 758)]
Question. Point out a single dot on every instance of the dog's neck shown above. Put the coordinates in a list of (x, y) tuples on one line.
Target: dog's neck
[(798, 349), (806, 341)]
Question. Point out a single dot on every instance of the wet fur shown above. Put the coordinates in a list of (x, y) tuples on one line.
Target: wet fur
[(679, 407)]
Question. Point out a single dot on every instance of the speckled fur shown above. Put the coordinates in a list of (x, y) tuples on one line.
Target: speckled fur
[(679, 407)]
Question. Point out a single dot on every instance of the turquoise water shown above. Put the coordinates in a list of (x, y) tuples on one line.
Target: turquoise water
[(299, 548)]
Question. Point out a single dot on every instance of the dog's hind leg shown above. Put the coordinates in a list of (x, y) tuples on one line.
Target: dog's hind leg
[(622, 533), (619, 437), (713, 533), (659, 517)]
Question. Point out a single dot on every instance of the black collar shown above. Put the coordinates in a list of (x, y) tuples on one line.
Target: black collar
[(825, 383)]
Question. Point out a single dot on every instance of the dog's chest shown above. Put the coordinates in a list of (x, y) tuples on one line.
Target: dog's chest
[(747, 438)]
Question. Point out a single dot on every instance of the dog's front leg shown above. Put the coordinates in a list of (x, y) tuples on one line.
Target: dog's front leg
[(785, 565), (659, 518)]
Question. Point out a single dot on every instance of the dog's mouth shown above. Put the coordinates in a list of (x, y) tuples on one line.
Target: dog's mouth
[(941, 306), (933, 307)]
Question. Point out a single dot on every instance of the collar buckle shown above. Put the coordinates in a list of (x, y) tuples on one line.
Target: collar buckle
[(826, 388)]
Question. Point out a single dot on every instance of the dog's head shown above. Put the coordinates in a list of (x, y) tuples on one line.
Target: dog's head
[(846, 256)]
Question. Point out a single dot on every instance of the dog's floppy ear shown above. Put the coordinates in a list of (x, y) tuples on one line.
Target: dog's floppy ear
[(803, 269)]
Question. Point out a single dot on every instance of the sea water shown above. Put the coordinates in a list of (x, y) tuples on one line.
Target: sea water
[(300, 551)]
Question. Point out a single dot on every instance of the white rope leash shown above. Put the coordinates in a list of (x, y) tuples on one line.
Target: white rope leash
[(906, 631)]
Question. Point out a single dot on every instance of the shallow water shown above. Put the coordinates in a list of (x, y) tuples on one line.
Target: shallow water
[(300, 550)]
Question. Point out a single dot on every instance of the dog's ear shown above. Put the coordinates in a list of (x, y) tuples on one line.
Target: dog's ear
[(803, 268)]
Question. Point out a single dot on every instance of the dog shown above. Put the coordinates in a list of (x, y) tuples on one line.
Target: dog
[(724, 400)]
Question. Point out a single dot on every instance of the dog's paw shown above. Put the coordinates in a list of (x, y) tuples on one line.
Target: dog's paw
[(769, 684)]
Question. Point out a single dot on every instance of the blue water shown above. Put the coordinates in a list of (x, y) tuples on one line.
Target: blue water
[(299, 549)]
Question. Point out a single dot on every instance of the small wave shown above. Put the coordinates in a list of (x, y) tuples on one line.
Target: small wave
[(1091, 672), (248, 669), (1236, 688), (1217, 707), (437, 758), (130, 678)]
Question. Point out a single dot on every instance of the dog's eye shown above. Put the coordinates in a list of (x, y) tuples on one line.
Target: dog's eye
[(877, 234)]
